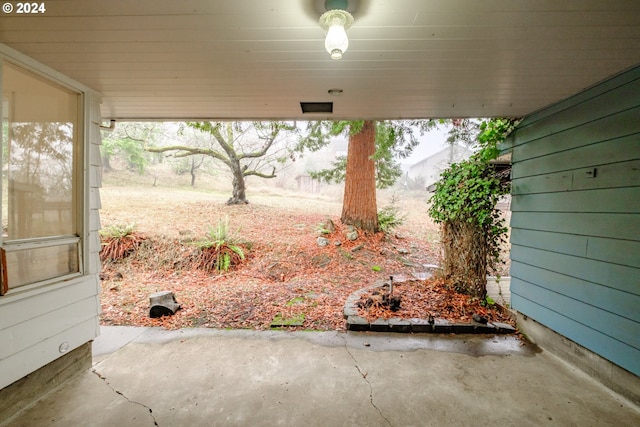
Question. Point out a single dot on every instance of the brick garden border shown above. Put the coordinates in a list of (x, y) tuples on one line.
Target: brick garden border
[(439, 326)]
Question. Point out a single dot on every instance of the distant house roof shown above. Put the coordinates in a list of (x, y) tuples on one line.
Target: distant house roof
[(444, 154)]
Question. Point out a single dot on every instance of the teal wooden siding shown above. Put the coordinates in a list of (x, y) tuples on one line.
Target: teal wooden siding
[(575, 239)]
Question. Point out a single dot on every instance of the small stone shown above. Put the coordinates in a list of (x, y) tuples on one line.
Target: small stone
[(403, 251), (322, 241), (337, 243), (352, 235), (357, 247), (480, 319), (366, 344)]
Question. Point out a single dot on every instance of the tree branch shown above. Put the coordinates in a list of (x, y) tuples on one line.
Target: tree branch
[(260, 174), (226, 146), (184, 151), (269, 140)]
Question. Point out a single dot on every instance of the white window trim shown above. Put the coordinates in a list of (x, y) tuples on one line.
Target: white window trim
[(40, 242), (83, 189)]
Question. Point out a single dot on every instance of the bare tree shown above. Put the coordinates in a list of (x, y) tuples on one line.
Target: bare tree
[(245, 148)]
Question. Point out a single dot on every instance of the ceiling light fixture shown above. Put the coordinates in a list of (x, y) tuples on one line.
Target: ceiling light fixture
[(335, 21)]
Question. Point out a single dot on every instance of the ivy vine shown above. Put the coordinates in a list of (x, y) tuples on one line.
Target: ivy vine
[(468, 191)]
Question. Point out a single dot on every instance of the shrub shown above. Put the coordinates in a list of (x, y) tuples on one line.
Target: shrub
[(119, 241), (389, 216), (220, 251)]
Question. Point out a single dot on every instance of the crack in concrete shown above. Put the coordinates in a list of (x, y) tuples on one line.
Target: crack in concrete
[(155, 422), (364, 377)]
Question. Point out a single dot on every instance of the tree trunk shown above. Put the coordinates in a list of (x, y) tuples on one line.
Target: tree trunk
[(359, 206), (193, 172), (238, 196), (465, 257), (106, 163)]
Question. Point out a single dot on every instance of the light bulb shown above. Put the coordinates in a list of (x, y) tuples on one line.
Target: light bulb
[(337, 41), (336, 22)]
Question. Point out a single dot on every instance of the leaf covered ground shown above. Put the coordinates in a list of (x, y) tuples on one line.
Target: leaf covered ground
[(285, 274)]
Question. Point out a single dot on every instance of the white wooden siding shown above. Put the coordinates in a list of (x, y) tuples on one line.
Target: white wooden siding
[(35, 322), (576, 238)]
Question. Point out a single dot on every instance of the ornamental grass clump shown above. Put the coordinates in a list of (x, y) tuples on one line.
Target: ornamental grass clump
[(464, 203), (119, 241), (220, 250)]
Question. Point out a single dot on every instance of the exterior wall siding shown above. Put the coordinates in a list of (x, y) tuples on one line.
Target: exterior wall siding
[(575, 256), (39, 325)]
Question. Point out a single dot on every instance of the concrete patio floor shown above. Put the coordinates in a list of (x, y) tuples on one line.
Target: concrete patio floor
[(204, 377)]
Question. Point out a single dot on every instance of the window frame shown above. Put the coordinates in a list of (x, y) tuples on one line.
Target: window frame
[(80, 187)]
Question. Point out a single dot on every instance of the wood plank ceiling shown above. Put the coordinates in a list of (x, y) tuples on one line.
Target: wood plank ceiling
[(248, 59)]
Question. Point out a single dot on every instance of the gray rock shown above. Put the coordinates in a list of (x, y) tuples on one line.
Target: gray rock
[(352, 235), (322, 241)]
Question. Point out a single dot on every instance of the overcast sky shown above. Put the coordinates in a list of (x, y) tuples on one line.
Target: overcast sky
[(430, 144)]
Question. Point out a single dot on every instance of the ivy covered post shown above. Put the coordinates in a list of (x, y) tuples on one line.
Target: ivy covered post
[(464, 204)]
